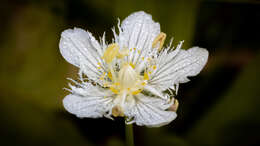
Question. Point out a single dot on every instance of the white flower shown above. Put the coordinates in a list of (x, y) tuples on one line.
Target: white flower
[(133, 77)]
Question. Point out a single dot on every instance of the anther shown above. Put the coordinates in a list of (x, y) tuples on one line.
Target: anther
[(175, 106), (159, 39)]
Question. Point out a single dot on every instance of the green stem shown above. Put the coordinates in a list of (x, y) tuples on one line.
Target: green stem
[(129, 135)]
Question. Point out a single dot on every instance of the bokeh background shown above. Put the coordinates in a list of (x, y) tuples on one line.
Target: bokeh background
[(219, 107)]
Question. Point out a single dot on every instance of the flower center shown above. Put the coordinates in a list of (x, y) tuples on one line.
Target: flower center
[(122, 77), (125, 80)]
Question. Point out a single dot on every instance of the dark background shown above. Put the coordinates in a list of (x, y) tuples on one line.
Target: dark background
[(219, 107)]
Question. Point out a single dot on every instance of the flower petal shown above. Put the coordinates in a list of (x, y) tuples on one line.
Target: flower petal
[(88, 101), (175, 70), (138, 32), (81, 49), (92, 107), (155, 91), (150, 111)]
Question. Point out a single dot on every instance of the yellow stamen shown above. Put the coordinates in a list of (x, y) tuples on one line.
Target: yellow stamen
[(116, 83), (136, 92), (109, 75), (111, 52), (112, 73), (143, 83), (159, 39), (113, 90), (154, 67), (132, 65), (146, 76)]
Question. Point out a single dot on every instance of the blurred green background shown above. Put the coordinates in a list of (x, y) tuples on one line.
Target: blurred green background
[(219, 107)]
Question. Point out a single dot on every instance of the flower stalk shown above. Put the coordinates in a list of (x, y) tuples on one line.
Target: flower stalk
[(129, 135)]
